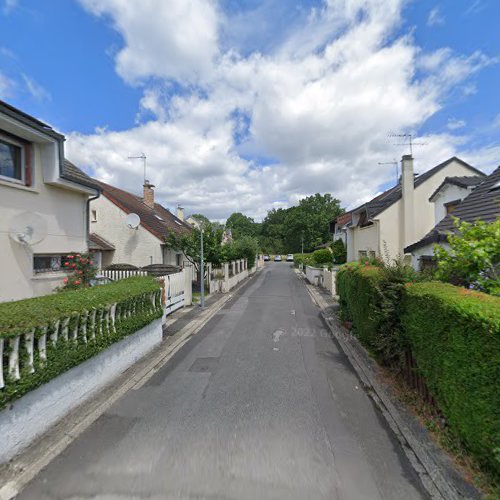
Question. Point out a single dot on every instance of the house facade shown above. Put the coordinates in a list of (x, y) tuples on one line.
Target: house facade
[(115, 242), (480, 201), (339, 226), (43, 205), (393, 220)]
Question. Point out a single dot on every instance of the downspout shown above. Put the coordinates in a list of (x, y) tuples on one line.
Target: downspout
[(87, 214)]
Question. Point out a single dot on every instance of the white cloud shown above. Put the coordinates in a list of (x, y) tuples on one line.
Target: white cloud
[(454, 124), (35, 89), (6, 86), (317, 108), (435, 17), (175, 39)]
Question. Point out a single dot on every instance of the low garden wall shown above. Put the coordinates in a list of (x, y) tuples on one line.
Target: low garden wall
[(453, 337), (57, 350)]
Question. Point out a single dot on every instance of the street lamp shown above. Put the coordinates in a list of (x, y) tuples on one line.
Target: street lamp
[(202, 270)]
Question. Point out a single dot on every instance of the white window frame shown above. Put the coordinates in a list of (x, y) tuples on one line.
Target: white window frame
[(60, 269), (21, 181)]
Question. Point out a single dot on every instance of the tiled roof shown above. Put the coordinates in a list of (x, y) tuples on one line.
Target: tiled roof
[(387, 198), (344, 219), (72, 173), (462, 181), (97, 242), (158, 221), (482, 204)]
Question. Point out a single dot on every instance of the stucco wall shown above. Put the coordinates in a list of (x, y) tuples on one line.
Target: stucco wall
[(447, 194), (365, 239), (38, 410), (64, 212)]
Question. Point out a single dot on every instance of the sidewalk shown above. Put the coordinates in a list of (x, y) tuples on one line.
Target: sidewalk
[(438, 474)]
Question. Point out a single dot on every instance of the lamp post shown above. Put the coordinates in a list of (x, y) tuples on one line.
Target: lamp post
[(302, 240), (202, 271)]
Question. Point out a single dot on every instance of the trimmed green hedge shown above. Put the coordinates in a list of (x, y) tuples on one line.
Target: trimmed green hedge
[(74, 326), (454, 334), (357, 297)]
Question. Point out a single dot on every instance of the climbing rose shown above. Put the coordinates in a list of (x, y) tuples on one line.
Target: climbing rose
[(65, 280)]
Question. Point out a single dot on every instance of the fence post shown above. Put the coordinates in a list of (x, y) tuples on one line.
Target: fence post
[(188, 286)]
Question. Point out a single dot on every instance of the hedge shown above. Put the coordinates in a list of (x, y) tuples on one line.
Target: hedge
[(357, 298), (454, 334), (53, 333)]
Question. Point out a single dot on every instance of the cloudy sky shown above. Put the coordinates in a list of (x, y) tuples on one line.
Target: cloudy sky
[(246, 105)]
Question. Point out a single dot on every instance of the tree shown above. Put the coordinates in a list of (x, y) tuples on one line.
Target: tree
[(473, 257), (339, 252), (201, 218), (190, 243), (243, 248), (241, 225)]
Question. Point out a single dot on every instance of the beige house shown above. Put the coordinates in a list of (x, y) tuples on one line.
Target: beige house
[(403, 214), (115, 241), (43, 206)]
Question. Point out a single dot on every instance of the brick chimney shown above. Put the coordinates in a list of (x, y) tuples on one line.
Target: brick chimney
[(149, 194), (180, 213), (407, 191)]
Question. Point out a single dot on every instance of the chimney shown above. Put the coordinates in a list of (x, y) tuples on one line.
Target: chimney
[(407, 191), (149, 194), (180, 213)]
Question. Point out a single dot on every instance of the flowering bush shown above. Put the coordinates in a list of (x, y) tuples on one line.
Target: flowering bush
[(81, 271)]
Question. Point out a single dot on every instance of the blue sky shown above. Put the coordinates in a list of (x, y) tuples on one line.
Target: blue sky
[(248, 105)]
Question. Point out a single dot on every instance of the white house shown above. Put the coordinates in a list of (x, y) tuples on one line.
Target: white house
[(468, 199), (339, 226), (393, 220), (114, 242), (43, 206)]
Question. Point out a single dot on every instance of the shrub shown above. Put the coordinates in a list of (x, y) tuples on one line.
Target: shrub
[(454, 335), (81, 269), (356, 287), (339, 252), (73, 326), (306, 259), (323, 256)]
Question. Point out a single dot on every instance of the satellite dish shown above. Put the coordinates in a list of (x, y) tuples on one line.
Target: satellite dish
[(133, 221), (28, 228)]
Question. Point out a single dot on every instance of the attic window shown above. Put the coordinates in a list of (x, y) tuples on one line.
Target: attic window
[(363, 220), (177, 222), (495, 186), (15, 159), (158, 217)]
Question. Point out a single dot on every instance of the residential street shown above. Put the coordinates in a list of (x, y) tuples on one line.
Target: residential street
[(260, 404)]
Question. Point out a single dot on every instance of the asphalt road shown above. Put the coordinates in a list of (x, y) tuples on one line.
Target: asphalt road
[(260, 404)]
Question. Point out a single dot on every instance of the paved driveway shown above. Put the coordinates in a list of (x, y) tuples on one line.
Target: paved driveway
[(259, 405)]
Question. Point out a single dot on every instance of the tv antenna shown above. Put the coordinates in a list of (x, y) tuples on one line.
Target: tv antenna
[(410, 141), (143, 158), (394, 163)]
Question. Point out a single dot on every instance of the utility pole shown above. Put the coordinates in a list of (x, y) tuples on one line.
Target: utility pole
[(202, 271)]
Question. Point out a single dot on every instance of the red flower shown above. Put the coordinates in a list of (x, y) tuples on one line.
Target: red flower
[(71, 257), (73, 266), (66, 264), (65, 280), (77, 282), (91, 262), (366, 262)]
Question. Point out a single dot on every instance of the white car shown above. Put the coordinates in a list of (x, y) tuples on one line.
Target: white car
[(289, 257), (277, 258)]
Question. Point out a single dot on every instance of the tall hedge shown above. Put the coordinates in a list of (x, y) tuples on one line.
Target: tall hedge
[(454, 334), (357, 296)]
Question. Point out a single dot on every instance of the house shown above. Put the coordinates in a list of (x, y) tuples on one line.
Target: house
[(483, 203), (339, 225), (43, 204), (393, 220), (112, 239)]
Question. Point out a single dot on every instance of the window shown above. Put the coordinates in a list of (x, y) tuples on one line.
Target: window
[(450, 206), (48, 263), (93, 216), (15, 159), (362, 254), (371, 254)]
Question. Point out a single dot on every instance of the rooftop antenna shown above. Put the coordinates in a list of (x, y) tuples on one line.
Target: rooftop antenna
[(143, 158), (410, 141), (393, 163)]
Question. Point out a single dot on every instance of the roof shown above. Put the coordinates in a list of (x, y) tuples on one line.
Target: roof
[(463, 182), (344, 219), (72, 173), (482, 204), (158, 221), (28, 120), (389, 197), (97, 242)]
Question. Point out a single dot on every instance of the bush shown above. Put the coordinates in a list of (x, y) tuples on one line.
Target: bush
[(322, 257), (306, 259), (454, 335), (339, 252), (74, 326), (356, 287)]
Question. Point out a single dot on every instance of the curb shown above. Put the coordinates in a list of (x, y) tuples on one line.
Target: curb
[(20, 470), (438, 476)]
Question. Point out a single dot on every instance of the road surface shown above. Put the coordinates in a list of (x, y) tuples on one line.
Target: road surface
[(260, 404)]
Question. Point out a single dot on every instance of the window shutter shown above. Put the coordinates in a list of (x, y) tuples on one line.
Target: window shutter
[(28, 167)]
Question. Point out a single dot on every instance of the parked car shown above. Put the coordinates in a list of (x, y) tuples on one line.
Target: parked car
[(267, 258), (100, 279), (289, 257), (277, 258)]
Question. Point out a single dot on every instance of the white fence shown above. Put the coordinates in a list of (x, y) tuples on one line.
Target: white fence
[(176, 287), (228, 276), (322, 277)]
